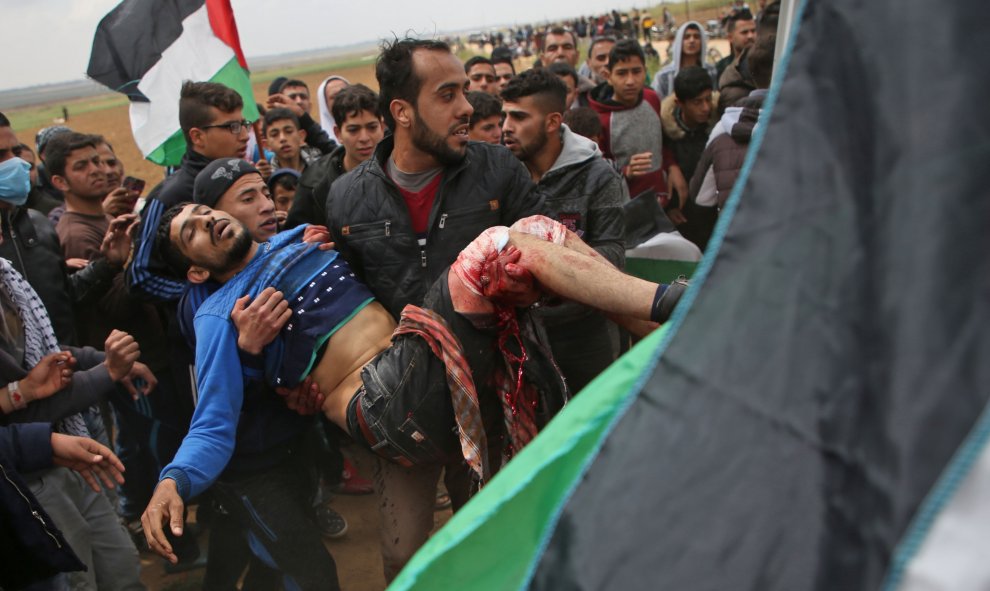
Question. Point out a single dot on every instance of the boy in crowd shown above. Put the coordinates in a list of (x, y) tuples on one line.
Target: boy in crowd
[(288, 141), (283, 184), (570, 78), (486, 121), (359, 128), (294, 95), (687, 116), (505, 70), (481, 75), (630, 117)]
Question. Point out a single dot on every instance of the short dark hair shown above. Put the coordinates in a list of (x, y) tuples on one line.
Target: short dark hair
[(736, 17), (353, 99), (542, 83), (286, 181), (602, 39), (485, 106), (4, 122), (478, 59), (60, 147), (195, 100), (562, 31), (691, 82), (500, 54), (295, 82), (504, 60), (176, 263), (565, 69), (395, 72), (273, 115), (760, 60), (583, 121), (624, 50)]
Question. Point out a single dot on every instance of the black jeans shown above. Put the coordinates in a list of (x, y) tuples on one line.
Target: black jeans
[(272, 510)]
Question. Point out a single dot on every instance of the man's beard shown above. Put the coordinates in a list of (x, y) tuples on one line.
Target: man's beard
[(528, 151), (434, 144), (235, 256)]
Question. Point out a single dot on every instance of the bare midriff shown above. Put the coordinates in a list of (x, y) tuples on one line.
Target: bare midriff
[(338, 371)]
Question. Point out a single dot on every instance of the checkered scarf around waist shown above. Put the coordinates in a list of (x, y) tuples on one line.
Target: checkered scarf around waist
[(433, 329), (39, 336)]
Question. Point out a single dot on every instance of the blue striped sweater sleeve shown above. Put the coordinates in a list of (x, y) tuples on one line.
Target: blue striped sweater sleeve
[(141, 275)]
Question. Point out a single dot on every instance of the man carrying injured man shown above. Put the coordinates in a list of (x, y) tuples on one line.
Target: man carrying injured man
[(467, 376)]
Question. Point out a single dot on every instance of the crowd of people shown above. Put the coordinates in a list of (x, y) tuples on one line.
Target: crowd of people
[(418, 277)]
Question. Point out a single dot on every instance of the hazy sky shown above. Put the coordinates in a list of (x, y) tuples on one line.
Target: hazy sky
[(50, 40)]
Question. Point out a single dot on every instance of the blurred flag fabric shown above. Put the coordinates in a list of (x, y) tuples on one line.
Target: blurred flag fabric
[(146, 49), (813, 418)]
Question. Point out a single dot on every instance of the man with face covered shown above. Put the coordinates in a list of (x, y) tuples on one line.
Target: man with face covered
[(402, 217)]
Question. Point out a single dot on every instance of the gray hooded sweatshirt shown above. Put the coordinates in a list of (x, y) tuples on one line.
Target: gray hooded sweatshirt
[(663, 82)]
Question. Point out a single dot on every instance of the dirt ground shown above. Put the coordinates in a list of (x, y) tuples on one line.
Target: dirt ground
[(359, 562)]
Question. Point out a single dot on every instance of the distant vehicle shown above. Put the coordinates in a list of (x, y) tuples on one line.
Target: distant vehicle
[(714, 28)]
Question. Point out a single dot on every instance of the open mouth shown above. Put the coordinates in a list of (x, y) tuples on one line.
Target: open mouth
[(218, 229), (461, 131), (270, 224)]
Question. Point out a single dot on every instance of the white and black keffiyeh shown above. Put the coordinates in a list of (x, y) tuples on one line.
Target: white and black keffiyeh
[(39, 337)]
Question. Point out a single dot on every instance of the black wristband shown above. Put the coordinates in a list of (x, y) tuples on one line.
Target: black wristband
[(656, 314)]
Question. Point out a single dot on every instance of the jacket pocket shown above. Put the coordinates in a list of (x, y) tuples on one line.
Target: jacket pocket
[(368, 231), (483, 212)]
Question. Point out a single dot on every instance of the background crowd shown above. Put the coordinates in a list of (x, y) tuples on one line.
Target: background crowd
[(581, 121)]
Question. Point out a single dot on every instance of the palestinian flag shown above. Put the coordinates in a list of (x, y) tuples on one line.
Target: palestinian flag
[(146, 49), (814, 416)]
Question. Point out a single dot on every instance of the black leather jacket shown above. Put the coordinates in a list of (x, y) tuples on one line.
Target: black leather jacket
[(32, 246), (369, 221)]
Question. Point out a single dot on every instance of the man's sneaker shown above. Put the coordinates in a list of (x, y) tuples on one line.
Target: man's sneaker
[(330, 523)]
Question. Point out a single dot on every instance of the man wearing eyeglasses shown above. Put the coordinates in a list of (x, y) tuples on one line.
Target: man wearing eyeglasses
[(214, 127)]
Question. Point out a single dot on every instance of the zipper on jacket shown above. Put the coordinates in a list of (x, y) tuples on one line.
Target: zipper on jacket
[(36, 515), (388, 228), (422, 257), (13, 241), (443, 220)]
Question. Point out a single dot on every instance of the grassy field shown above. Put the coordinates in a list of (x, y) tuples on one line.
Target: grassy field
[(108, 114)]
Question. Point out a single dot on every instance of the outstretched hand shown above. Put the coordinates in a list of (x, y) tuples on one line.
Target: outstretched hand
[(91, 459), (165, 506)]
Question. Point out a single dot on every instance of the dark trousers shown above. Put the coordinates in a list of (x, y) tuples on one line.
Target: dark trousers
[(583, 349), (271, 509)]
